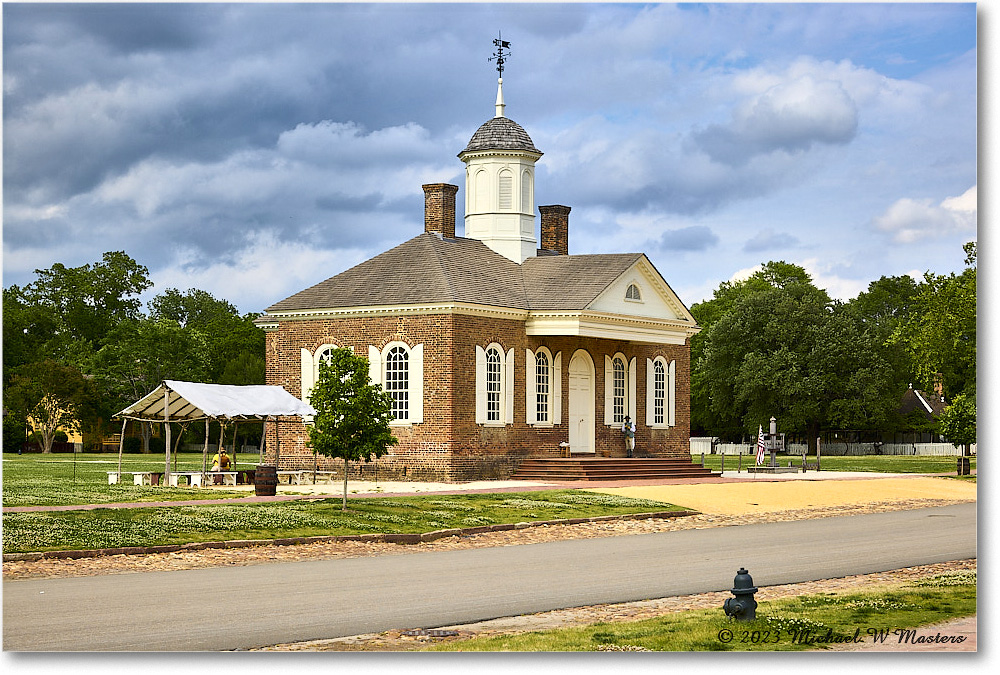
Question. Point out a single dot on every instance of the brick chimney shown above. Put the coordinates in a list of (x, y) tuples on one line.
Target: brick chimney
[(555, 229), (939, 385), (439, 209)]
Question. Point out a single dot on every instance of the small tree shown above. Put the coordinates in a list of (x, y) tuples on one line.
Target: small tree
[(958, 422), (352, 414), (49, 394)]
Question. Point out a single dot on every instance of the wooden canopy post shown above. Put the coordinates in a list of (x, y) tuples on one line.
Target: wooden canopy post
[(204, 454), (222, 438), (236, 429), (121, 447), (166, 424)]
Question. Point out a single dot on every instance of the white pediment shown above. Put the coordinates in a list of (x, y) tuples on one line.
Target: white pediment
[(656, 300)]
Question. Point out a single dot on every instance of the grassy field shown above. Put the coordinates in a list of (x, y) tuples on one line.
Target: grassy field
[(112, 528), (792, 624), (61, 479), (876, 463)]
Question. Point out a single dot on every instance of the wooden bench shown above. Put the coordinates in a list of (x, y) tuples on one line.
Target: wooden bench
[(193, 478), (291, 477), (138, 477)]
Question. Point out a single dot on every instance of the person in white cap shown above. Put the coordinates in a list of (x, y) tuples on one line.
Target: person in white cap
[(628, 428)]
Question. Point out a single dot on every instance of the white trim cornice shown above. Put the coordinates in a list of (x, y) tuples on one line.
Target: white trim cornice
[(271, 318), (610, 326), (579, 323)]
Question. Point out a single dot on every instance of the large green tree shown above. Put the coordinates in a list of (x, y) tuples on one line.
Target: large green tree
[(352, 414), (87, 303), (776, 345), (940, 333), (140, 354), (234, 345)]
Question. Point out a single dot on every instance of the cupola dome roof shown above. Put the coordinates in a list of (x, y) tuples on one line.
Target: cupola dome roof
[(501, 133)]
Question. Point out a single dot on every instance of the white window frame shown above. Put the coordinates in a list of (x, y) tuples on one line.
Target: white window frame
[(377, 363), (638, 292), (629, 407), (669, 393), (506, 403), (531, 387), (310, 368)]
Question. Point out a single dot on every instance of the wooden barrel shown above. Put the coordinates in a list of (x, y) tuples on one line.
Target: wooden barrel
[(265, 480)]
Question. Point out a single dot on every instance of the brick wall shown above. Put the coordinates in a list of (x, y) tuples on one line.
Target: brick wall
[(449, 445)]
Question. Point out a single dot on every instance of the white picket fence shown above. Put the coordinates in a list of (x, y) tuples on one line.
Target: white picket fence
[(704, 445)]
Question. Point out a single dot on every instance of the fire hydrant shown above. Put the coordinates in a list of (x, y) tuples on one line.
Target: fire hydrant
[(743, 607)]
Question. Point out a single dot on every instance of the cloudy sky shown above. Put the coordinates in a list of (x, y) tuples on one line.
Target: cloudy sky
[(252, 150)]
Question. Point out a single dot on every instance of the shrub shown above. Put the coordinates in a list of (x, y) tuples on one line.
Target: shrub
[(132, 445)]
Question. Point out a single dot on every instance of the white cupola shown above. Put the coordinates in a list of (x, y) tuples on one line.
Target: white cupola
[(500, 186)]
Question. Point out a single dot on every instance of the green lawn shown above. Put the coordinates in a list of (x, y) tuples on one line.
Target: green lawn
[(876, 463), (792, 624), (60, 479), (151, 526)]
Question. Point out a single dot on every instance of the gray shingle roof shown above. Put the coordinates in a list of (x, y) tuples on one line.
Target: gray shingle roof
[(425, 269), (570, 282), (500, 133), (432, 269)]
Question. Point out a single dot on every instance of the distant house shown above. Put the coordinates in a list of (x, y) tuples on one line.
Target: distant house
[(495, 347), (930, 406)]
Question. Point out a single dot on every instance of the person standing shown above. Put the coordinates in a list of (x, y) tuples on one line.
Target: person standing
[(628, 428)]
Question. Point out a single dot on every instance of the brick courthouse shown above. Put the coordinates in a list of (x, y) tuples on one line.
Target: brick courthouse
[(495, 346)]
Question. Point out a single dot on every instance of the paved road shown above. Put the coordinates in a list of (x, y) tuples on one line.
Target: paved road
[(241, 607)]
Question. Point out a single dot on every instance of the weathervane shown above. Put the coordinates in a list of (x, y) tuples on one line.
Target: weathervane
[(501, 55)]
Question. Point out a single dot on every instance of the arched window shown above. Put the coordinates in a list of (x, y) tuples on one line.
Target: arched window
[(659, 391), (661, 395), (397, 382), (506, 193), (618, 390), (493, 388), (632, 293), (399, 369), (494, 385), (543, 387)]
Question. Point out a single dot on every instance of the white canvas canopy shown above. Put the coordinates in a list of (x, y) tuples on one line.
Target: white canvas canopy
[(185, 402), (189, 401)]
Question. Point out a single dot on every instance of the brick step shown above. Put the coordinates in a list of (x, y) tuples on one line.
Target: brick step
[(550, 478), (609, 469)]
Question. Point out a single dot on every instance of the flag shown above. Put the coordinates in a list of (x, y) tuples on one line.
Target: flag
[(760, 445)]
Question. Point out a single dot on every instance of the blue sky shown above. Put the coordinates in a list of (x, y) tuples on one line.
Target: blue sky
[(253, 150)]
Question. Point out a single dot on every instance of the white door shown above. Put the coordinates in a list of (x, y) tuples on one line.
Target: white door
[(581, 403)]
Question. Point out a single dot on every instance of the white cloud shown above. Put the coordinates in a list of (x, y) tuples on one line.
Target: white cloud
[(283, 267), (790, 116), (911, 220)]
